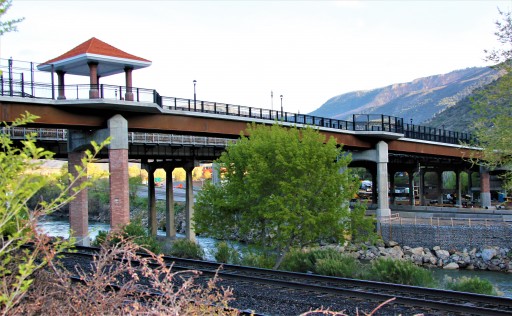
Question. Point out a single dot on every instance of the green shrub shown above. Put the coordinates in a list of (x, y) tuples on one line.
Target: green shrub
[(401, 272), (471, 285), (255, 257), (226, 253), (135, 231), (184, 248), (345, 266), (297, 260)]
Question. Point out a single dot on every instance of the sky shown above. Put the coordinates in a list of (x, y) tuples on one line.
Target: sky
[(240, 51)]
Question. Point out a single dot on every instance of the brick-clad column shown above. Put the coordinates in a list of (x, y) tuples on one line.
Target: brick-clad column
[(189, 209), (118, 165), (128, 96), (78, 207), (485, 187), (93, 79)]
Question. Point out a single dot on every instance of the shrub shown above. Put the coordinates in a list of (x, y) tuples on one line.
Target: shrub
[(255, 257), (297, 260), (401, 272), (344, 266), (226, 253), (184, 248), (133, 231), (471, 285)]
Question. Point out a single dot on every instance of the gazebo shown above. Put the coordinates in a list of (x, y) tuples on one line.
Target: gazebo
[(95, 59)]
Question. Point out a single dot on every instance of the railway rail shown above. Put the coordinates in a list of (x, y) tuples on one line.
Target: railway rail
[(434, 301)]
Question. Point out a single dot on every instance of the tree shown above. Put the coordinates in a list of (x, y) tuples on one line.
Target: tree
[(493, 128), (282, 188), (7, 26), (18, 221)]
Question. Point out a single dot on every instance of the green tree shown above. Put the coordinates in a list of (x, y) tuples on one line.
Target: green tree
[(18, 222), (282, 188), (493, 128), (10, 25)]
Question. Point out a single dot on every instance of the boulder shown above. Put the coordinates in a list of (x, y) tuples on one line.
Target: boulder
[(395, 252), (391, 243), (442, 254), (451, 266), (488, 254), (417, 251)]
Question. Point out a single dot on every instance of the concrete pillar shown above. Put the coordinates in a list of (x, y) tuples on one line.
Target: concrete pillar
[(78, 207), (439, 175), (392, 187), (128, 74), (189, 208), (410, 173), (422, 187), (458, 188), (60, 83), (170, 224), (383, 209), (470, 185), (93, 78), (152, 222), (215, 173), (485, 187), (118, 165)]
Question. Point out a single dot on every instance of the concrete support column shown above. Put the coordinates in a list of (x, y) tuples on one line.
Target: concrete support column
[(410, 173), (439, 175), (485, 187), (152, 222), (118, 167), (78, 207), (189, 208), (422, 187), (170, 223), (215, 173), (383, 209), (128, 74), (93, 78), (458, 188), (392, 187), (470, 185), (60, 83)]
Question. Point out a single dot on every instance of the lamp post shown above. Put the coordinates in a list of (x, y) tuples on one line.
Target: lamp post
[(195, 81), (281, 105)]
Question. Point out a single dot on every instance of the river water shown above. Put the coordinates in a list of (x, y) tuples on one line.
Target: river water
[(503, 281)]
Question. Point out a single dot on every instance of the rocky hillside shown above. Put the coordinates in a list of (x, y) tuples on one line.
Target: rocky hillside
[(420, 99)]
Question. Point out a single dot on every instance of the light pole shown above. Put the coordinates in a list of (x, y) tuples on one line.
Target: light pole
[(195, 81), (281, 105)]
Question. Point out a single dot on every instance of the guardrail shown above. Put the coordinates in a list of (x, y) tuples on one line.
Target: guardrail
[(19, 82), (56, 134)]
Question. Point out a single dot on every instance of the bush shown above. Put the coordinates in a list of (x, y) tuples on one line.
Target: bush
[(298, 260), (344, 266), (133, 231), (184, 248), (400, 272), (258, 258), (226, 254), (471, 285)]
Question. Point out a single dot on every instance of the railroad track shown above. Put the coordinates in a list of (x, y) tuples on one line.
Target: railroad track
[(418, 298)]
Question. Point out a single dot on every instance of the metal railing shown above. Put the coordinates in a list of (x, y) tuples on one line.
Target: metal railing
[(19, 82), (57, 134)]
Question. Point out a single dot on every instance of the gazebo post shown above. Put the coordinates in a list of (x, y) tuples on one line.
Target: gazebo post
[(60, 78), (129, 94), (93, 90)]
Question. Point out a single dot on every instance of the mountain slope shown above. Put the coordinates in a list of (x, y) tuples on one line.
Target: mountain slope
[(420, 99)]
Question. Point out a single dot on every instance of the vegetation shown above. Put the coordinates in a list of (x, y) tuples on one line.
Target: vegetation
[(400, 272), (471, 285), (185, 248), (10, 25), (226, 253), (135, 232), (493, 128), (282, 188), (18, 222)]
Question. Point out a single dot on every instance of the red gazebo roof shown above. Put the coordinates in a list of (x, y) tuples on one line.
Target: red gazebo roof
[(110, 60)]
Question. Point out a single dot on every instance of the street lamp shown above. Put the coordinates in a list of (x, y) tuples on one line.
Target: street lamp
[(195, 81), (281, 105)]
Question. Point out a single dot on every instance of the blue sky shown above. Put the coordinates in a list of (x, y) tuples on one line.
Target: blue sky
[(239, 51)]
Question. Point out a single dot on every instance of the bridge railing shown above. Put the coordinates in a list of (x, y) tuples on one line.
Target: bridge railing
[(18, 79)]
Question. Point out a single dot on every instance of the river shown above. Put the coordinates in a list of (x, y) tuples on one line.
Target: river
[(503, 281)]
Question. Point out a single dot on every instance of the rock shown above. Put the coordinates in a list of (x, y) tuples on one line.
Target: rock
[(470, 267), (492, 267), (395, 252), (392, 243), (436, 248), (451, 266), (488, 253), (417, 251), (442, 254)]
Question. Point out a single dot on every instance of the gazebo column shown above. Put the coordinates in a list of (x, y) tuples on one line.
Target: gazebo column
[(485, 187), (60, 78), (129, 94), (93, 77)]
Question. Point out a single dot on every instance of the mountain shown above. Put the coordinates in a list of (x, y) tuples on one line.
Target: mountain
[(420, 99)]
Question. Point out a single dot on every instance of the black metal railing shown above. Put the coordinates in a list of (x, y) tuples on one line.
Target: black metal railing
[(19, 82)]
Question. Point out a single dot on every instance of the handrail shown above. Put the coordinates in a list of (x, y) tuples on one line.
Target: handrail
[(21, 84)]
